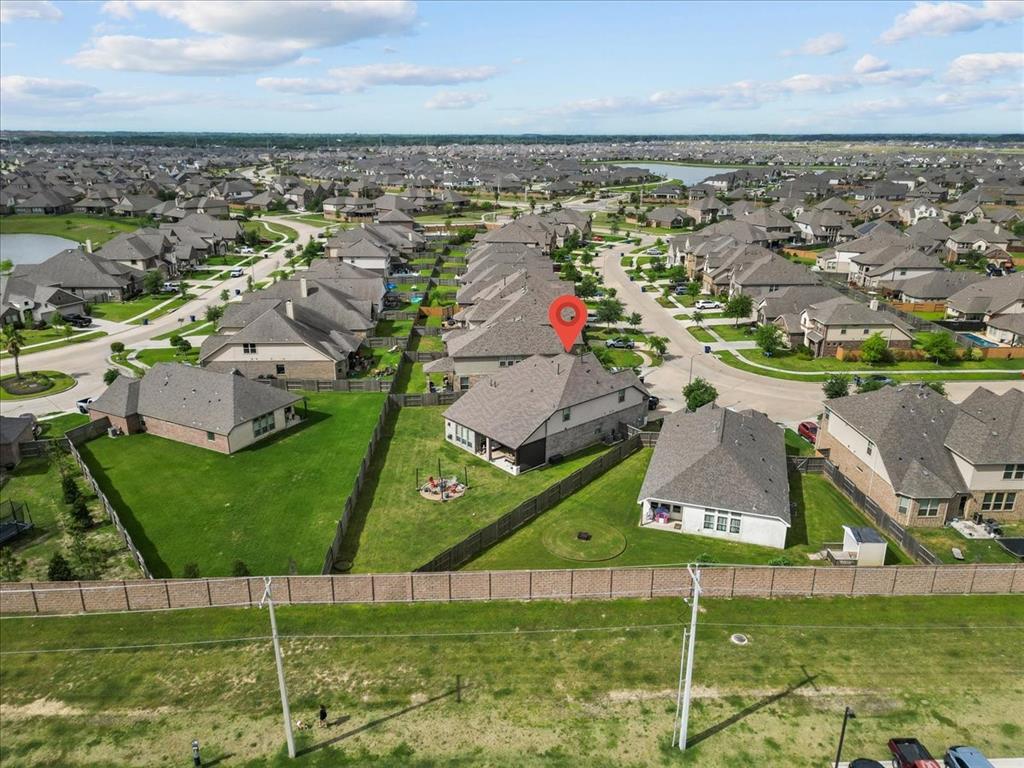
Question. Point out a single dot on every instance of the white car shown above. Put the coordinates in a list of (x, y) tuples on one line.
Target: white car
[(237, 272), (705, 304)]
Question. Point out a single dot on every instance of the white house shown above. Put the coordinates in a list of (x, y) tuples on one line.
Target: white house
[(719, 473)]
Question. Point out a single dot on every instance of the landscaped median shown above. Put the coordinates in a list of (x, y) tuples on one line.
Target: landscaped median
[(34, 384), (273, 506)]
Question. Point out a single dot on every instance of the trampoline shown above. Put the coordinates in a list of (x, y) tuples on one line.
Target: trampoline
[(1014, 546)]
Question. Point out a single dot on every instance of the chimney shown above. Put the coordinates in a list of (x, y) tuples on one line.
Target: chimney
[(362, 225), (289, 309), (88, 246), (303, 287)]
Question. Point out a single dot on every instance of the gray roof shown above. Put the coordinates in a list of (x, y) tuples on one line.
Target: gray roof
[(989, 428), (794, 299), (192, 397), (74, 268), (989, 296), (935, 285), (13, 428), (510, 405), (908, 425), (722, 459), (844, 311)]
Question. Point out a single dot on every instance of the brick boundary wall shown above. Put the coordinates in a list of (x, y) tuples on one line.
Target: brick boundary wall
[(582, 584)]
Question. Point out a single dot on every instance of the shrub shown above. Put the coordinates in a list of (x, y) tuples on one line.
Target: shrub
[(190, 571), (780, 560), (803, 352), (875, 350), (69, 488), (110, 375), (706, 558), (80, 517), (836, 385), (11, 566), (174, 339), (117, 347), (59, 569)]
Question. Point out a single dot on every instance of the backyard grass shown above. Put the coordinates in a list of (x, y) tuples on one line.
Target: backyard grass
[(120, 311), (37, 483), (609, 507), (426, 343), (57, 382), (933, 316), (393, 328), (272, 505), (701, 335), (413, 380), (46, 346), (796, 445), (942, 540), (395, 529), (382, 358), (73, 226), (534, 695)]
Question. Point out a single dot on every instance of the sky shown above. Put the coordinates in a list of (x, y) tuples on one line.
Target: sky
[(359, 66)]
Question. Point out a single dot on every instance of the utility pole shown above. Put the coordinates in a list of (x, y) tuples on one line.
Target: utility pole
[(285, 710), (679, 688), (687, 687)]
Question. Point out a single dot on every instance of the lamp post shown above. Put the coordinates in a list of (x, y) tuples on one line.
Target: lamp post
[(847, 715)]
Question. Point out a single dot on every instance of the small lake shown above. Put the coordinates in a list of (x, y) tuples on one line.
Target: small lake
[(688, 174), (32, 249)]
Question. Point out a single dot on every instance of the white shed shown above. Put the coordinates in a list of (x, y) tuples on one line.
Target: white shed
[(865, 544)]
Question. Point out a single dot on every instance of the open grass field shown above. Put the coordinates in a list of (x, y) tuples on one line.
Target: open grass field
[(269, 505), (533, 693), (607, 508), (73, 226), (942, 540), (395, 529)]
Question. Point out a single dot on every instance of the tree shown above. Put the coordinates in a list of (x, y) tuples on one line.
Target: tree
[(69, 489), (12, 567), (183, 345), (587, 287), (59, 569), (869, 385), (569, 272), (239, 568), (110, 375), (6, 265), (79, 513), (699, 392), (214, 312), (13, 342), (941, 347), (634, 320), (693, 289), (875, 350), (769, 338), (698, 317), (658, 345), (739, 307), (152, 281), (62, 326), (836, 385), (609, 311), (117, 347), (248, 284), (587, 258)]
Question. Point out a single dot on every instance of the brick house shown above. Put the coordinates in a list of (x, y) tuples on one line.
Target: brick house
[(842, 322), (219, 411)]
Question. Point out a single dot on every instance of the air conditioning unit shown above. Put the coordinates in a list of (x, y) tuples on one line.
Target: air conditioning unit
[(113, 431)]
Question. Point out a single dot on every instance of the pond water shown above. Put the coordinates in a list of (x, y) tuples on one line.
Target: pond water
[(32, 249), (688, 174)]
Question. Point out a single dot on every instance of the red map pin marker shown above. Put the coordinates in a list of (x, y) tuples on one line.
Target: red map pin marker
[(567, 315)]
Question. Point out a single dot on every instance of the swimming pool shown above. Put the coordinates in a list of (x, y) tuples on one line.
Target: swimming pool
[(979, 341)]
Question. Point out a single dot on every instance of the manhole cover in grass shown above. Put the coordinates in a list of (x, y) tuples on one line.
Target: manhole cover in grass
[(562, 539)]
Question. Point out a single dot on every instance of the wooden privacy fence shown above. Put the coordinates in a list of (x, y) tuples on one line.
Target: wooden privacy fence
[(70, 597), (510, 522), (331, 385)]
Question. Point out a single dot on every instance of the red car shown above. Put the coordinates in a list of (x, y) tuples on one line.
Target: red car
[(911, 753), (808, 430)]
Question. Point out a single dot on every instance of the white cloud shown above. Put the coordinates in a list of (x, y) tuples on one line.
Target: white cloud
[(822, 45), (40, 10), (455, 100), (868, 63), (306, 61), (40, 95), (235, 37), (352, 79), (980, 67), (941, 19), (21, 87)]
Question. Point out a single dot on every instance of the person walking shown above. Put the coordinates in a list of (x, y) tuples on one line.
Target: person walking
[(323, 716)]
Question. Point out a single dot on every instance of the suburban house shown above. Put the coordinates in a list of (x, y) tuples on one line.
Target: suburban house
[(931, 287), (544, 408), (14, 430), (924, 460), (219, 411), (978, 237), (906, 264), (843, 322), (986, 299), (86, 275), (25, 302), (719, 473)]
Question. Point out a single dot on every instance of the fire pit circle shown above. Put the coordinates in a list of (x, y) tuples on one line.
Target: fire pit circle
[(598, 541)]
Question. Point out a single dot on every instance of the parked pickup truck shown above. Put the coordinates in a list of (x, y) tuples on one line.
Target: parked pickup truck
[(911, 753)]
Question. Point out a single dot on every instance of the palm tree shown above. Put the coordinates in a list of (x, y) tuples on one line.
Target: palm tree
[(698, 318), (13, 342), (658, 345)]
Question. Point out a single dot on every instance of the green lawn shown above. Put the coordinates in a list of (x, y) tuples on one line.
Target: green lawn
[(58, 382), (797, 446), (792, 362), (124, 359), (396, 529), (427, 343), (733, 332), (393, 328), (73, 226), (933, 316), (120, 311), (614, 357), (58, 425), (151, 357), (263, 229), (198, 328), (269, 505), (413, 380), (701, 335), (942, 540), (37, 482), (608, 509), (534, 694), (176, 303), (46, 346)]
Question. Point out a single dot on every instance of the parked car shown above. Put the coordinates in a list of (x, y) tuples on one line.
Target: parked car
[(680, 290), (653, 401), (245, 249), (621, 342), (911, 753), (237, 272), (808, 430), (79, 321), (707, 304), (885, 381), (83, 404), (171, 287), (966, 757), (653, 252)]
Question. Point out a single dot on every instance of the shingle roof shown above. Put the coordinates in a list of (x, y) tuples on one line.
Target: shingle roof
[(989, 428), (723, 459), (989, 296)]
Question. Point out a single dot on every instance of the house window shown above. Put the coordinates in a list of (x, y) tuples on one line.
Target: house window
[(871, 448), (463, 436), (622, 395), (721, 524), (279, 368), (867, 331), (709, 522), (904, 505), (1013, 472), (249, 349), (463, 382), (566, 414), (263, 424), (734, 525), (998, 502), (928, 507), (210, 436), (842, 331)]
